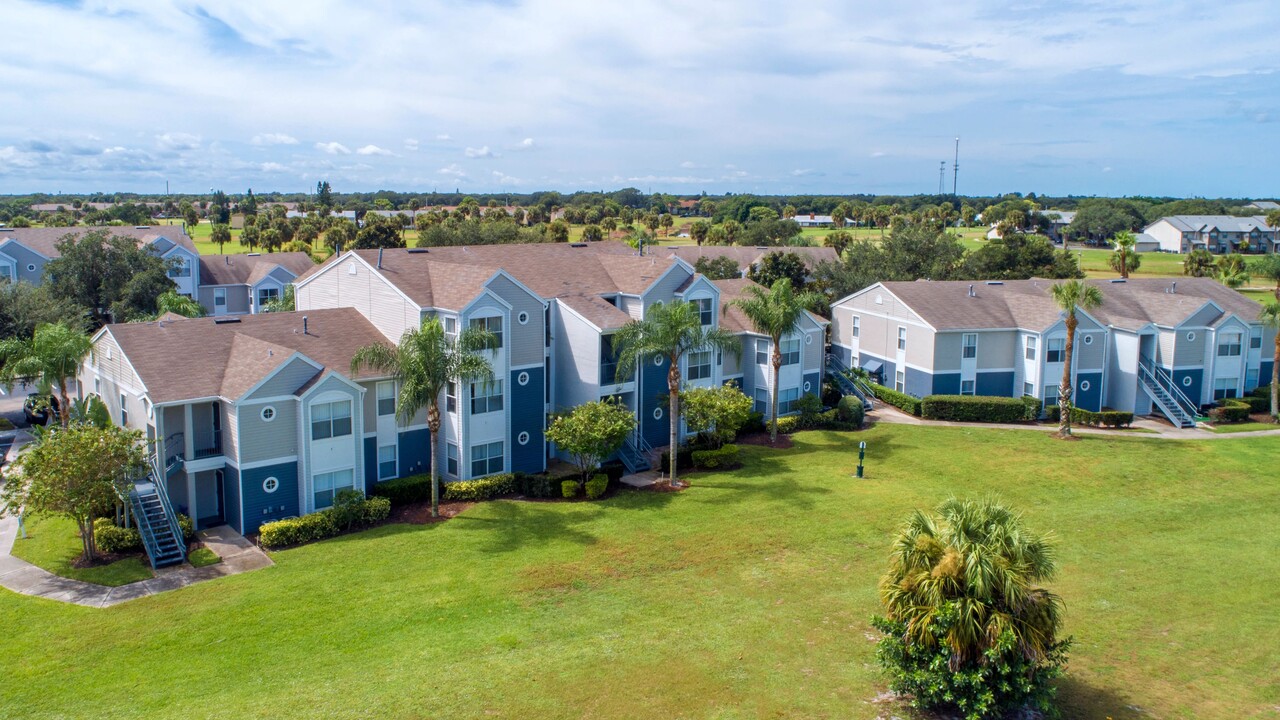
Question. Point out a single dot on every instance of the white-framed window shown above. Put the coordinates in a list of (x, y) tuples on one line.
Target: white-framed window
[(124, 409), (705, 315), (761, 400), (1191, 336), (1050, 395), (857, 327), (523, 318), (451, 460), (791, 351), (807, 386), (386, 462), (699, 365), (386, 398), (219, 297), (8, 272), (486, 397), (523, 438), (902, 338), (31, 267), (1186, 381), (969, 345), (330, 420), (97, 386), (266, 295), (1225, 388), (493, 325), (1250, 378), (326, 485), (1087, 338), (900, 381), (451, 397), (486, 459), (657, 413), (267, 414), (968, 387), (1055, 350), (270, 485), (450, 326), (1229, 345), (762, 351), (1028, 389), (1255, 338), (1085, 385), (522, 379), (657, 360), (180, 268), (787, 400), (1030, 351)]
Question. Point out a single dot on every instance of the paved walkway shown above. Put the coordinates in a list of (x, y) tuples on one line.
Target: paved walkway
[(885, 412)]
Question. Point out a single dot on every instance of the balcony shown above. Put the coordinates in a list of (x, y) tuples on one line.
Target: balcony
[(208, 446)]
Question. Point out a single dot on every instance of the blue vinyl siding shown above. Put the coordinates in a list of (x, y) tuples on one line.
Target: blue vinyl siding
[(918, 382), (1090, 399), (815, 384), (1196, 387), (370, 463), (527, 407), (946, 384), (657, 432), (1264, 374), (844, 354), (260, 506), (414, 454), (231, 496), (995, 383), (886, 373)]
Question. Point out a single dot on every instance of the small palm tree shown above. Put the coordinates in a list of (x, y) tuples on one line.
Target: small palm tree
[(423, 365), (776, 312), (1125, 260), (52, 357), (1271, 319), (1232, 271), (670, 330), (1070, 295), (1269, 267)]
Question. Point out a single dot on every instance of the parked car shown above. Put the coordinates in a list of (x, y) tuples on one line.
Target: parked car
[(40, 409)]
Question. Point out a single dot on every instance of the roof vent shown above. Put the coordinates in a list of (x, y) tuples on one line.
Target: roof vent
[(971, 292), (226, 320), (304, 325), (577, 244), (141, 227), (1117, 280), (415, 251), (995, 282), (1173, 289), (253, 254), (379, 258)]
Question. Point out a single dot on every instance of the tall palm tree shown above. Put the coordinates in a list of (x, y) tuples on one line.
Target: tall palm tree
[(1123, 261), (671, 330), (1269, 267), (776, 312), (52, 357), (1070, 295), (1271, 319), (423, 364)]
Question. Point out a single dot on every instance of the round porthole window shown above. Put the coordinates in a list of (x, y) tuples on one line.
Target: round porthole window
[(1186, 381), (808, 339), (31, 267), (523, 438), (657, 413), (806, 386), (657, 360), (523, 318), (1088, 339), (1191, 337), (523, 378), (270, 485), (268, 414), (1084, 386)]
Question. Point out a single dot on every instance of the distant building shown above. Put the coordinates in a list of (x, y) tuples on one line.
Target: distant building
[(1216, 233), (1263, 205), (239, 284), (25, 251)]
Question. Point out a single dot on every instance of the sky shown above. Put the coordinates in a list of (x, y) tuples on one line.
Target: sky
[(1132, 97)]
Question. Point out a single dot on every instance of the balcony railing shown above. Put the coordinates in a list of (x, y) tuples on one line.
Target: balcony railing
[(213, 447)]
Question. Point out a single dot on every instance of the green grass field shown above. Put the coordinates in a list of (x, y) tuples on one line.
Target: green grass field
[(747, 595), (53, 543)]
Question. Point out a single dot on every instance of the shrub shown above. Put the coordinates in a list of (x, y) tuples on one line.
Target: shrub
[(374, 510), (614, 470), (851, 410), (684, 456), (537, 486), (754, 423), (112, 538), (1031, 408), (569, 488), (1258, 404), (596, 486), (723, 458), (187, 526), (1230, 410), (405, 490), (483, 488), (348, 508), (973, 408), (326, 523), (902, 401), (1080, 416)]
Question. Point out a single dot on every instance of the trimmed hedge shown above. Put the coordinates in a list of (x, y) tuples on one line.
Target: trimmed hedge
[(1258, 404), (485, 488), (320, 525), (405, 490), (597, 486), (902, 401), (684, 457), (973, 408), (1230, 410), (540, 485), (723, 458), (851, 410), (112, 538), (569, 488), (1080, 416)]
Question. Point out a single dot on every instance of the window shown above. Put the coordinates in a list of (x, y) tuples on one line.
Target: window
[(1085, 385), (328, 484), (450, 326), (270, 485), (900, 381), (124, 410), (1088, 338), (967, 387), (330, 420), (787, 400), (608, 361), (523, 438), (268, 414), (857, 327), (451, 397), (699, 365), (705, 315), (1028, 389), (486, 459), (522, 379), (219, 297), (1191, 336), (451, 460), (1055, 350), (762, 352), (97, 386), (7, 271), (657, 413), (1250, 378), (762, 400), (386, 462), (1225, 388), (386, 398), (1031, 348), (266, 295), (1229, 345), (902, 338), (791, 351), (523, 318), (969, 346), (180, 268), (1050, 395), (493, 325), (1255, 338), (486, 397)]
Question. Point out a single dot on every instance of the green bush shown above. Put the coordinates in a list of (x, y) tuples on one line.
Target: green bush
[(1258, 404), (112, 538), (348, 508), (1030, 408), (1080, 416), (374, 510), (405, 490), (597, 486), (187, 526), (755, 423), (851, 410), (1230, 410), (325, 523), (569, 488), (614, 470), (484, 488), (902, 401), (973, 408), (723, 458), (684, 458), (537, 486)]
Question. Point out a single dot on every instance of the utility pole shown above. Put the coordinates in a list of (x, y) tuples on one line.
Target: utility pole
[(942, 170), (955, 169)]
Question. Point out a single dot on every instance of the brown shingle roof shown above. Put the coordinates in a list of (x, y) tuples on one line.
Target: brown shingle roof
[(732, 318), (596, 311), (247, 269), (44, 240), (198, 357)]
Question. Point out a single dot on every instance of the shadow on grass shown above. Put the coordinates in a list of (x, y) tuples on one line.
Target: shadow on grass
[(515, 524), (1077, 698)]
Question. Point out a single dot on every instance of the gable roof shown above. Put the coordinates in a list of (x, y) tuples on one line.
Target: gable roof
[(226, 359), (44, 240), (1221, 223), (249, 268), (732, 319)]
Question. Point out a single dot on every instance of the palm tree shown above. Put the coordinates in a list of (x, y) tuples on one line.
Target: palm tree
[(1070, 295), (423, 365), (1271, 318), (776, 312), (1125, 259), (1232, 271), (670, 330), (1199, 263), (171, 302), (1269, 268), (52, 356)]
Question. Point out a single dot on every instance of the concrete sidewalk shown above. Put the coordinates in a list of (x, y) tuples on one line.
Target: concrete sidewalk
[(885, 412)]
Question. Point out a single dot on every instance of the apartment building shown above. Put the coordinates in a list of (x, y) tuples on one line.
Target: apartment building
[(25, 251)]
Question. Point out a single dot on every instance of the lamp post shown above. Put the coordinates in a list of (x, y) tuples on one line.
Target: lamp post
[(862, 454)]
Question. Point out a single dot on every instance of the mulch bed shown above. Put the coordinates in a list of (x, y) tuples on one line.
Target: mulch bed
[(420, 513), (762, 438)]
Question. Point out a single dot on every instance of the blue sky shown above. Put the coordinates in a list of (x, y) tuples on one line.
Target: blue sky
[(1139, 97)]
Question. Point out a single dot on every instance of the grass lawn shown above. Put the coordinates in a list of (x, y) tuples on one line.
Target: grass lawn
[(202, 557), (747, 595), (53, 543), (1245, 427)]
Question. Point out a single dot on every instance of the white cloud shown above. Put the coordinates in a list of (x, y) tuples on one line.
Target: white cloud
[(373, 150), (333, 148), (443, 138), (411, 144), (453, 171), (178, 141), (274, 139), (272, 167), (525, 144), (505, 179), (800, 172), (480, 152), (688, 165)]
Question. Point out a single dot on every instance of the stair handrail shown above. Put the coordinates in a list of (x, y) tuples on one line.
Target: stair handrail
[(1171, 405), (144, 528), (1165, 380), (846, 378), (174, 526)]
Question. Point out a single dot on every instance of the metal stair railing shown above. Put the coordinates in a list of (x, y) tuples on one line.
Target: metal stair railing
[(850, 382), (1162, 379), (1168, 403)]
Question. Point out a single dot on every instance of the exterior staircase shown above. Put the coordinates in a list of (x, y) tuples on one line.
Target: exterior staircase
[(157, 521), (1166, 395), (633, 454), (849, 383)]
